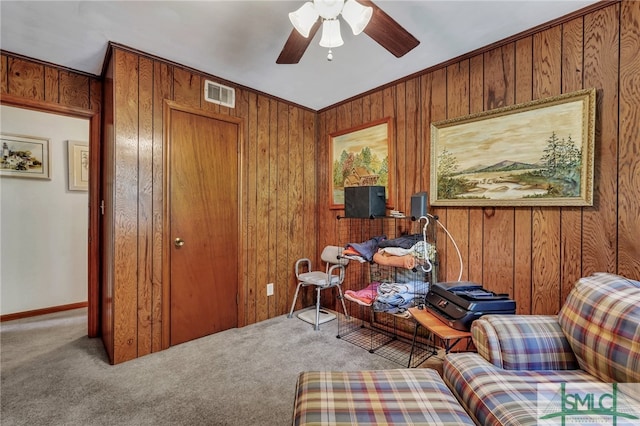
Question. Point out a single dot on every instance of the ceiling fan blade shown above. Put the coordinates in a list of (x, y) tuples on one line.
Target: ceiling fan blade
[(388, 33), (296, 45)]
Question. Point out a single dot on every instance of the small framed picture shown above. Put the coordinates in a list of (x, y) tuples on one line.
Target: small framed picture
[(24, 156), (78, 165)]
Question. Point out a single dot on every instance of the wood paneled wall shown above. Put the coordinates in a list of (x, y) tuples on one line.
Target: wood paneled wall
[(36, 81), (278, 185), (534, 254)]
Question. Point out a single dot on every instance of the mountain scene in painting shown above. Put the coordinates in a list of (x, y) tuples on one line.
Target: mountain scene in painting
[(556, 174)]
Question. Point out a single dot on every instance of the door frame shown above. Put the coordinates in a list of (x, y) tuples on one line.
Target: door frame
[(168, 107), (93, 270)]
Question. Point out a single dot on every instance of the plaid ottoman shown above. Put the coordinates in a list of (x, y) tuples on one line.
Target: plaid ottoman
[(403, 396)]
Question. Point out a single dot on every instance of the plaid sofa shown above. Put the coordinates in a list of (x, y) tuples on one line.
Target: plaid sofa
[(594, 339)]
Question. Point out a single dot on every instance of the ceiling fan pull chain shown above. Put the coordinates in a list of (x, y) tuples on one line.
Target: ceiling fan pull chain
[(330, 55)]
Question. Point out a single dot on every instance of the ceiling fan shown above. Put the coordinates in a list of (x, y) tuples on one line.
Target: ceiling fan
[(362, 16)]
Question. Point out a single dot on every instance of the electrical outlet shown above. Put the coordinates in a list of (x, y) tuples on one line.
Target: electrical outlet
[(270, 289)]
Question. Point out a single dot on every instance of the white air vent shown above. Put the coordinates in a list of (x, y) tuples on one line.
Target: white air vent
[(219, 94)]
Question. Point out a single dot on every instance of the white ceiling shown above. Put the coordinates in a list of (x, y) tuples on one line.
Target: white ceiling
[(239, 41)]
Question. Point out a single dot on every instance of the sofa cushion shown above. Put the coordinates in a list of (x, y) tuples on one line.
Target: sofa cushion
[(402, 396), (601, 320), (494, 396)]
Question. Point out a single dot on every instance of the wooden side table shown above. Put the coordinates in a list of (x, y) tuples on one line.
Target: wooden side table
[(449, 336)]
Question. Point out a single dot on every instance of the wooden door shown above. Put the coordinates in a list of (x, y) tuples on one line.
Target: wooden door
[(203, 220)]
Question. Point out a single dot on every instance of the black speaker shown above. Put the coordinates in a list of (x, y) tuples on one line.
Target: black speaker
[(418, 205), (364, 201)]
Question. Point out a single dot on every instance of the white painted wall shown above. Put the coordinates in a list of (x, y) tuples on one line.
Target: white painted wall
[(43, 226)]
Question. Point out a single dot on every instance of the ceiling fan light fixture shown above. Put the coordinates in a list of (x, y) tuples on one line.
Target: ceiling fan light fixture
[(304, 18), (328, 9), (356, 15), (331, 36), (361, 15)]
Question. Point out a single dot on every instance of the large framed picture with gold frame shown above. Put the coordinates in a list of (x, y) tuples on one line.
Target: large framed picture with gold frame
[(538, 153), (360, 156)]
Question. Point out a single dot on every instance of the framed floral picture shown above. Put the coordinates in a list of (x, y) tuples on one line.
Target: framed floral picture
[(78, 154)]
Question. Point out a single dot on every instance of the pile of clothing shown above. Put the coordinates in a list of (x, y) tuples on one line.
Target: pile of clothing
[(406, 252), (396, 298), (392, 297), (364, 297), (363, 252)]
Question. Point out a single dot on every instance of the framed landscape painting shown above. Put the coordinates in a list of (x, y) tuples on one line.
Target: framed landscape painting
[(535, 154), (360, 156), (24, 156)]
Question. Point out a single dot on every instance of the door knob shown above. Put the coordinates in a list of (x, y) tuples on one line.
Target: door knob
[(179, 242)]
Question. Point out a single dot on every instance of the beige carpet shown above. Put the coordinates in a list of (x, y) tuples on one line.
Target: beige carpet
[(52, 374)]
